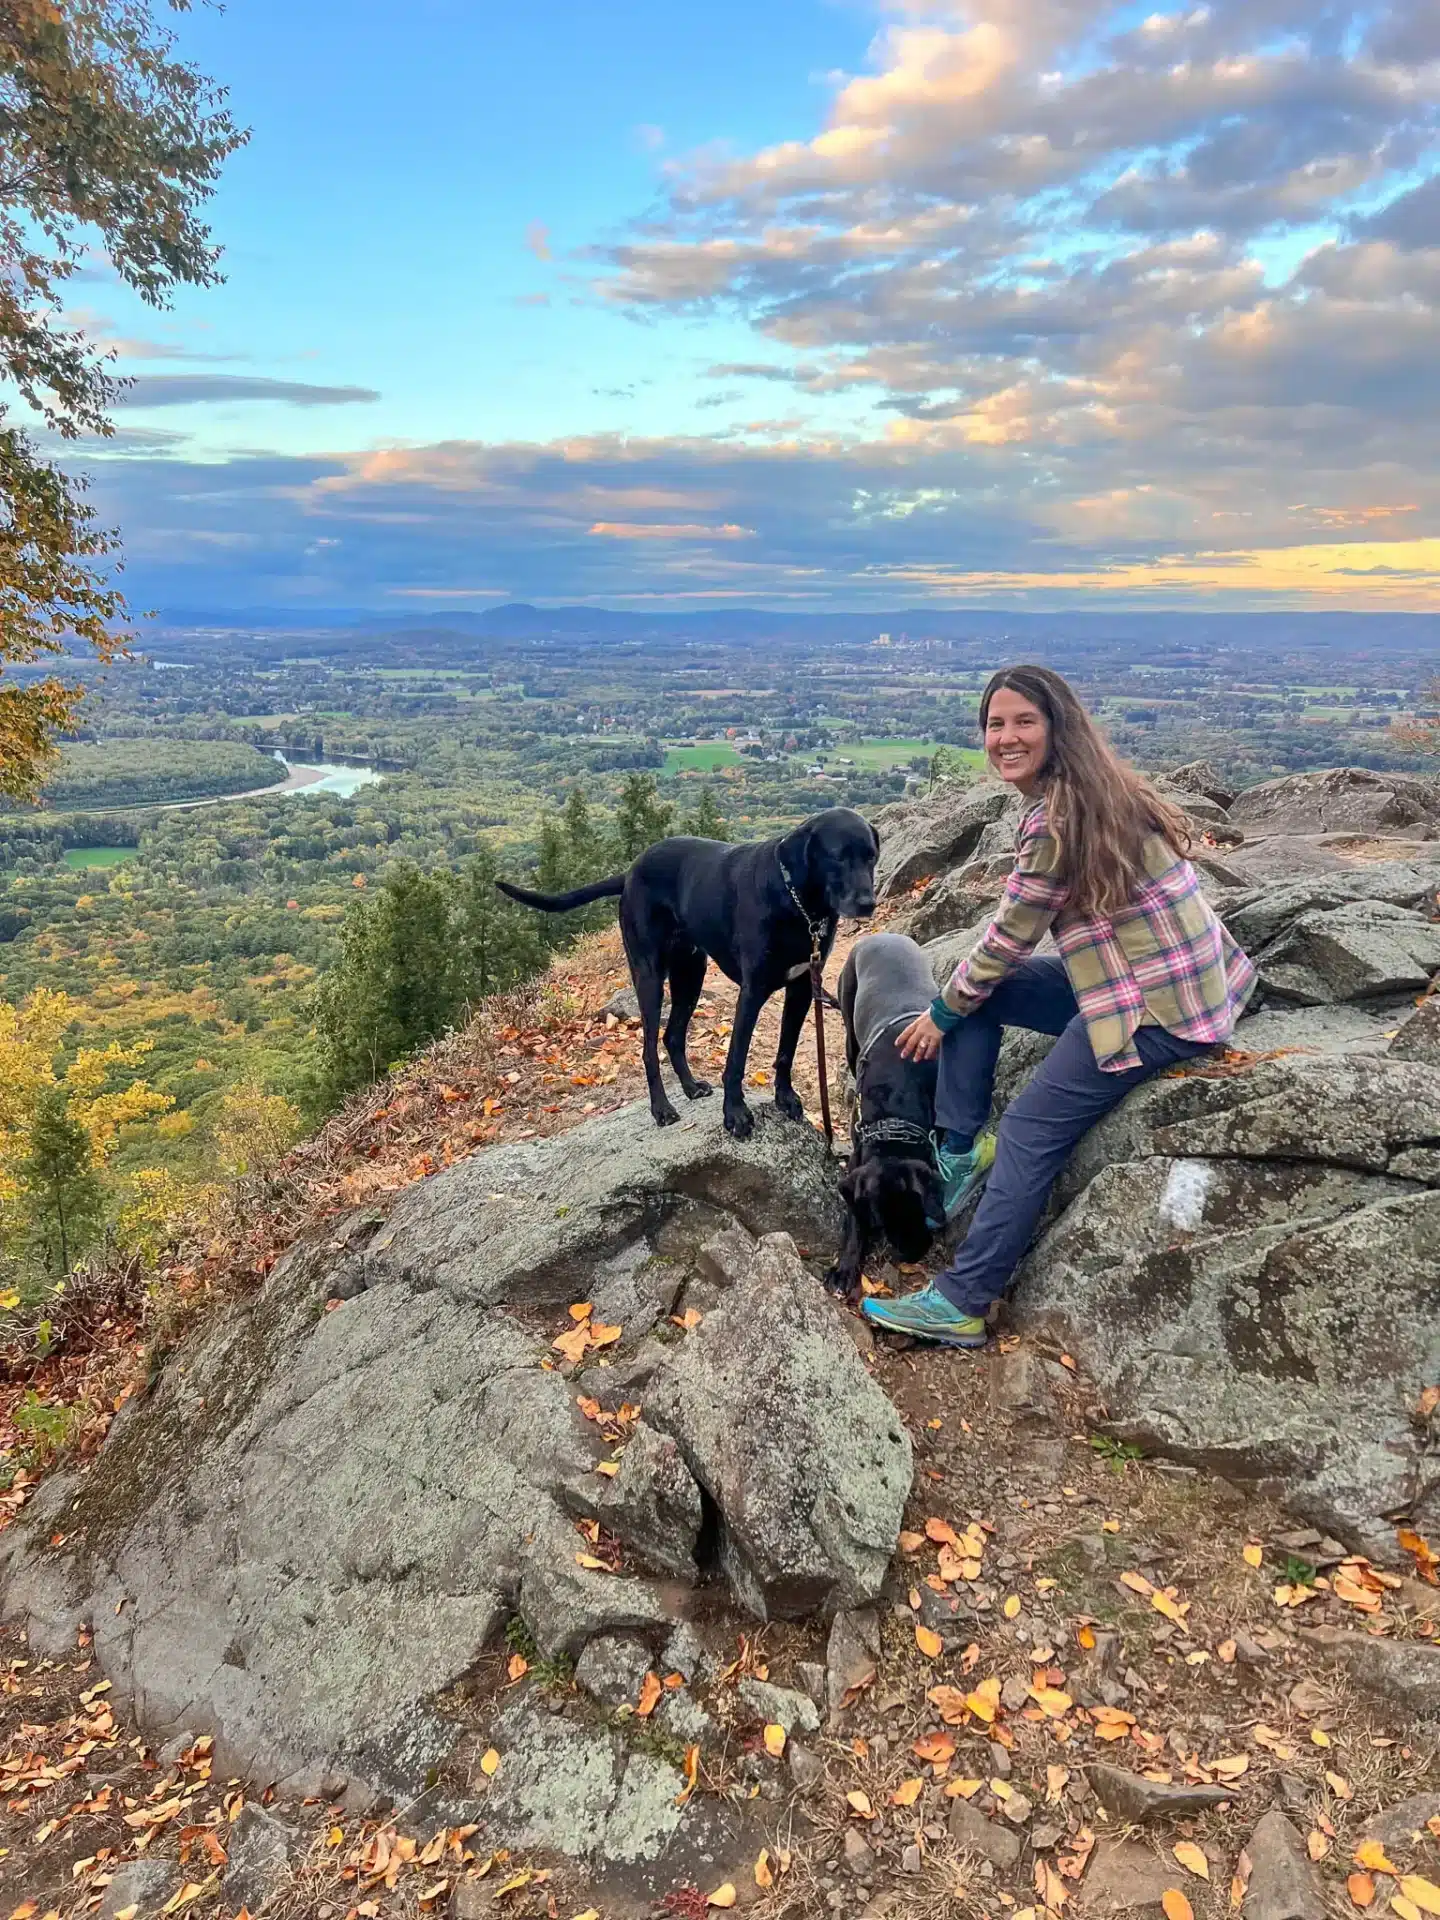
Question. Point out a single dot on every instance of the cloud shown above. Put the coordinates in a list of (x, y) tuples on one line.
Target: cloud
[(1081, 304), (795, 519), (194, 389), (537, 239), (661, 530)]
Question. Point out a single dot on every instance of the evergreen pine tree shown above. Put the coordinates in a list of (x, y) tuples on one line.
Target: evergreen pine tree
[(707, 822), (64, 1196), (583, 846), (496, 943), (641, 818)]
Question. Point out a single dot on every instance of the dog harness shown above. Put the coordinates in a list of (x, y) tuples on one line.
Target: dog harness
[(906, 1133)]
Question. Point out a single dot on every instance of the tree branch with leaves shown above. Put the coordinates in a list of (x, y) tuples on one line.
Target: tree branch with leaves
[(109, 142)]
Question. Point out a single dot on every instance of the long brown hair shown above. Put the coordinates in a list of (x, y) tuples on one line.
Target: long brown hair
[(1100, 811)]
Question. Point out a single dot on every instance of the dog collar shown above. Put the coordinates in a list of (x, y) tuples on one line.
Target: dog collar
[(899, 1132), (817, 929)]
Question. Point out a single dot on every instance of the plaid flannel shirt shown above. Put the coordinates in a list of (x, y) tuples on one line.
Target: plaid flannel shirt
[(1163, 960)]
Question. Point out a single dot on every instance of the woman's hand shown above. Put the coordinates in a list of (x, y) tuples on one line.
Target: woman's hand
[(920, 1040)]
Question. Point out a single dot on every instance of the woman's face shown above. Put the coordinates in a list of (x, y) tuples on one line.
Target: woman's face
[(1017, 739)]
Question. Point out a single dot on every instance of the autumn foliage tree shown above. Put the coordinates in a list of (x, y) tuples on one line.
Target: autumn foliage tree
[(1420, 732), (105, 137), (60, 1123)]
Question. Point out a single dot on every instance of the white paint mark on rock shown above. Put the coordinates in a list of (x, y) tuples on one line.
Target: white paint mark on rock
[(1182, 1202)]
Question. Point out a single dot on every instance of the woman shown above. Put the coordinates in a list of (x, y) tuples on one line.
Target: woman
[(1147, 977)]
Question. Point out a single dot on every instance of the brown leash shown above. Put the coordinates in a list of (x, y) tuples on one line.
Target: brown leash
[(818, 930), (817, 990)]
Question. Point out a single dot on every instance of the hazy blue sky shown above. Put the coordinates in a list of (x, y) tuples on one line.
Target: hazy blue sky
[(1005, 301)]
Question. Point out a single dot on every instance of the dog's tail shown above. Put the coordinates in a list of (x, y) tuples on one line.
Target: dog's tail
[(563, 902)]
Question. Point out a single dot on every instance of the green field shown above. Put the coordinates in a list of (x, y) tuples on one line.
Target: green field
[(98, 856), (706, 759), (884, 754)]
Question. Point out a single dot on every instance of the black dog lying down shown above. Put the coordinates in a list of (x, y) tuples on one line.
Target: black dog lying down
[(752, 910), (891, 1187)]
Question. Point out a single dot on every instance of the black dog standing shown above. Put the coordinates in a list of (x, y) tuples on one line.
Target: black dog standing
[(891, 1188), (756, 912)]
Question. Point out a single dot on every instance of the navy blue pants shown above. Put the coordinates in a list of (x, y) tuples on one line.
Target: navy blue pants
[(1040, 1128)]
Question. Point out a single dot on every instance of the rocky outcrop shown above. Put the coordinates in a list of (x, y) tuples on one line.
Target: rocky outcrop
[(1247, 1265), (811, 1481), (1341, 800), (935, 833), (336, 1497)]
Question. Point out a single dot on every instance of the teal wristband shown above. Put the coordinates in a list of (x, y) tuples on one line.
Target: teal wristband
[(945, 1017)]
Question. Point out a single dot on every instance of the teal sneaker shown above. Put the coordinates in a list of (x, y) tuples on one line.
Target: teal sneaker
[(962, 1173), (926, 1315)]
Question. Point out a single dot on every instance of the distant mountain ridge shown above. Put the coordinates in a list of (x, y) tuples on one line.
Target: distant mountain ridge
[(521, 620)]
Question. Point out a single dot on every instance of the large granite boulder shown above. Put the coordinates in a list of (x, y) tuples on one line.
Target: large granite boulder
[(338, 1493), (1247, 1265), (810, 1484), (1365, 950), (1340, 800), (936, 832)]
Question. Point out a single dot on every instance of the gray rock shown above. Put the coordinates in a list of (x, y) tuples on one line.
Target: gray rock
[(634, 1289), (1214, 1273), (806, 1460), (624, 1004), (961, 900), (528, 1222), (859, 1856), (1283, 1882), (1020, 1387), (260, 1849), (142, 1884), (1124, 1876), (613, 1667), (169, 1755), (1419, 1036), (807, 1769), (1261, 915), (1406, 1825), (1203, 778), (852, 1659), (938, 831), (1365, 950), (1332, 1029), (317, 1521), (584, 1792), (780, 1706), (812, 1679), (652, 1504), (971, 1830), (1133, 1797), (1341, 799), (1406, 1671), (685, 1653)]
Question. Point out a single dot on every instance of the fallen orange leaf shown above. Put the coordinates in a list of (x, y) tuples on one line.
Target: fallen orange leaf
[(775, 1740), (1361, 1889), (929, 1642), (1176, 1906), (1192, 1858), (650, 1692), (908, 1792)]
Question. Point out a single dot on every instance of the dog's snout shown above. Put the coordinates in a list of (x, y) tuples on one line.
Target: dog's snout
[(861, 906)]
